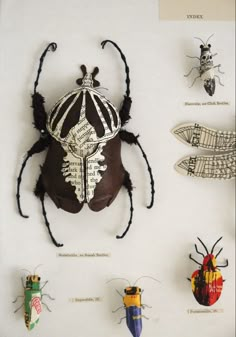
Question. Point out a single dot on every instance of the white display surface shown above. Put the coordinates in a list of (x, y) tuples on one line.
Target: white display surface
[(160, 239)]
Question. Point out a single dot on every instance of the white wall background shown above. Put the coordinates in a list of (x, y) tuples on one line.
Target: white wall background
[(160, 239)]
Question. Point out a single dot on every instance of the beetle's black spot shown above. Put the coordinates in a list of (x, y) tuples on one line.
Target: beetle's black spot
[(115, 119), (62, 110), (72, 117), (92, 116), (104, 111)]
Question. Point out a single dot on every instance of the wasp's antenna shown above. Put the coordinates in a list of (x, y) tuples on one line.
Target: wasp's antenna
[(27, 271), (198, 38), (146, 277), (37, 268), (212, 249), (119, 278), (209, 37), (203, 245)]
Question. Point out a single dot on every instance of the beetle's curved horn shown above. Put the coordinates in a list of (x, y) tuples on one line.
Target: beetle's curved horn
[(95, 72), (84, 69)]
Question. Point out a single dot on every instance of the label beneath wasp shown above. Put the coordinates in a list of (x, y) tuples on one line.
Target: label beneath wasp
[(205, 311), (197, 10), (85, 254), (85, 299), (214, 103)]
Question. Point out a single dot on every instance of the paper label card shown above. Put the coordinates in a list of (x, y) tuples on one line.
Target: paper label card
[(197, 10)]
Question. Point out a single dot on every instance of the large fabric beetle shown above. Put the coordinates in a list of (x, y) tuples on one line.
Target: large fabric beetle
[(83, 134)]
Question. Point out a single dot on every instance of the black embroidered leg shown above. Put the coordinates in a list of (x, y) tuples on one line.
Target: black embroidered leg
[(127, 183), (40, 192), (130, 138), (38, 147), (126, 105)]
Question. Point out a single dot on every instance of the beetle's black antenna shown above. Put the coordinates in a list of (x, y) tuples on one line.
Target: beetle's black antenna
[(212, 249), (27, 271), (119, 278), (219, 252), (203, 245), (209, 38), (152, 278), (198, 251), (37, 268), (198, 38), (124, 60), (128, 185), (53, 47)]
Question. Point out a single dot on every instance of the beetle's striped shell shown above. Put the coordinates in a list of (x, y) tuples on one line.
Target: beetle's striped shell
[(83, 109)]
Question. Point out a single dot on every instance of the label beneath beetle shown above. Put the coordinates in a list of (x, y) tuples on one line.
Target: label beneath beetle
[(83, 254), (206, 103), (199, 10), (205, 311), (85, 299)]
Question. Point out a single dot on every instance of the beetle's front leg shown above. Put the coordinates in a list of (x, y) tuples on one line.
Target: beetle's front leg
[(125, 110), (40, 192), (191, 71), (130, 138), (20, 296)]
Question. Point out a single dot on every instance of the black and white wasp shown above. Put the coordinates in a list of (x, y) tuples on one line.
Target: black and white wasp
[(206, 69)]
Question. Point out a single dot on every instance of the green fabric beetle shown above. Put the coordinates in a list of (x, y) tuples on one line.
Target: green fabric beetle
[(32, 300)]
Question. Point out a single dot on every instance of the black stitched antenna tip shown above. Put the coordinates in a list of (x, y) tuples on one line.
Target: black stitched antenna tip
[(212, 249), (103, 43), (53, 47), (203, 245)]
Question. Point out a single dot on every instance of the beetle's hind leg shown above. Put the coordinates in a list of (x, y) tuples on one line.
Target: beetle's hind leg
[(40, 192), (220, 83), (130, 138), (127, 183)]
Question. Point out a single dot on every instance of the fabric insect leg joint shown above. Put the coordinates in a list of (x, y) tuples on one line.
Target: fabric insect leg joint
[(40, 192)]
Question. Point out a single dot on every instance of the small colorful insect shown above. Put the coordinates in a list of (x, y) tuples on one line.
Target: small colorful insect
[(207, 282), (206, 68), (32, 300), (133, 307), (83, 134)]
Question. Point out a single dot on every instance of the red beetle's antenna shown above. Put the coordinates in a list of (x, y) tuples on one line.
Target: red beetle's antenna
[(203, 245), (212, 249)]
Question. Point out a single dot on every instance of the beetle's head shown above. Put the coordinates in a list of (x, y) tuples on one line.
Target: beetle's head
[(32, 281), (206, 55), (209, 262), (132, 291), (88, 79)]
